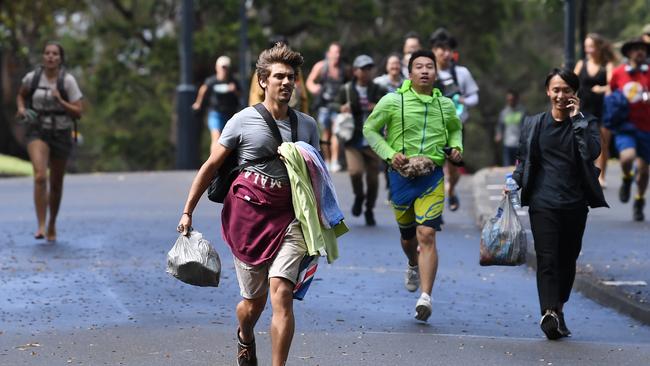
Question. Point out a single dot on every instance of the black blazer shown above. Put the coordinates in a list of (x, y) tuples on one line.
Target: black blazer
[(375, 92), (587, 139)]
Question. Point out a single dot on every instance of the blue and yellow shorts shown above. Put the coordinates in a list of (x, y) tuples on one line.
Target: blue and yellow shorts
[(418, 202)]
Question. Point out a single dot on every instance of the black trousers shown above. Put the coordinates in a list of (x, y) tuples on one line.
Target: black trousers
[(558, 241)]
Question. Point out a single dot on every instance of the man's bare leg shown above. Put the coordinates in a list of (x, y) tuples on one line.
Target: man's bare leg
[(451, 179), (410, 248), (248, 313), (428, 266), (282, 322), (39, 155), (428, 258), (57, 171)]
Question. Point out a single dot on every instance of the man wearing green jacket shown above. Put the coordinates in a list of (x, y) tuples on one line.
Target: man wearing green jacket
[(420, 123)]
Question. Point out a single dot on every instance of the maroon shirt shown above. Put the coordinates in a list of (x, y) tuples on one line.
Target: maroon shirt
[(255, 216)]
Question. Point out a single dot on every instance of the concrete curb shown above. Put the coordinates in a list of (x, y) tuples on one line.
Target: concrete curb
[(586, 282)]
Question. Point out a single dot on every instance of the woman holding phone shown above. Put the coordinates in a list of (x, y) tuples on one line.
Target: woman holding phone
[(558, 181)]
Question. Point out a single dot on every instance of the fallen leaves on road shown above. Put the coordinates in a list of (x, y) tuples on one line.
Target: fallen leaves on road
[(27, 346)]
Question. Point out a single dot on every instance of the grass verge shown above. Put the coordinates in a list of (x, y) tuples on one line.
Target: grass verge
[(11, 166)]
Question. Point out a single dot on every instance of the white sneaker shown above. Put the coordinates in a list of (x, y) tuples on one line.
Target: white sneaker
[(423, 307), (412, 278), (335, 167)]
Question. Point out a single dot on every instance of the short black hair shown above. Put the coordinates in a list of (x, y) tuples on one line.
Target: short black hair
[(567, 75), (411, 34), (442, 38), (422, 53), (513, 92)]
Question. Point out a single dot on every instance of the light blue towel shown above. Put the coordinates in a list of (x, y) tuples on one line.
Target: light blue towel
[(328, 206)]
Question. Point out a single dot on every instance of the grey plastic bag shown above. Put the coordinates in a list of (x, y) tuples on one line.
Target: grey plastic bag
[(194, 261), (503, 239)]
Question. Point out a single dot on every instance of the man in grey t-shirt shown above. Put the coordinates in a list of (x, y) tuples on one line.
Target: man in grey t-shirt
[(250, 135), (264, 263)]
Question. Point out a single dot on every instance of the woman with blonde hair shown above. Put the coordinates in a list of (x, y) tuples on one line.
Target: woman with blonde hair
[(595, 72)]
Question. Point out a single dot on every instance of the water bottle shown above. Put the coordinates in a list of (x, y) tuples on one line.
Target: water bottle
[(512, 187)]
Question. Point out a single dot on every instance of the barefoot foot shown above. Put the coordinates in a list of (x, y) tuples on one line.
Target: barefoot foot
[(51, 233)]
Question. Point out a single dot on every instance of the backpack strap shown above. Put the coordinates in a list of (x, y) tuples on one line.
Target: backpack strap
[(36, 78), (452, 71), (60, 83), (293, 121), (60, 86), (273, 126)]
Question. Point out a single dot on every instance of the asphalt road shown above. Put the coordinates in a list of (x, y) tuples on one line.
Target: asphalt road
[(100, 295)]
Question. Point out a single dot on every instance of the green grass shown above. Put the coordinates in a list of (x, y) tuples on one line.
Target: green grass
[(14, 166)]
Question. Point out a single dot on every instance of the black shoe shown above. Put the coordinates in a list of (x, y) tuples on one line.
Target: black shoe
[(624, 191), (550, 324), (453, 202), (564, 331), (639, 203), (356, 207), (246, 355), (370, 218)]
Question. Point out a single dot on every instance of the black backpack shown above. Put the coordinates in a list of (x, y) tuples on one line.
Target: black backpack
[(452, 89), (60, 86), (229, 170)]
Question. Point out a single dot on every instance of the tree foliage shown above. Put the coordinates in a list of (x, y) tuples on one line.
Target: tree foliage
[(124, 54)]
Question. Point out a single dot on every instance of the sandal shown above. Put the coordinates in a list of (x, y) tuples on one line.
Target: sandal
[(453, 203), (39, 236)]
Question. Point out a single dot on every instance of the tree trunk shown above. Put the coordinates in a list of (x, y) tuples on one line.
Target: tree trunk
[(8, 143)]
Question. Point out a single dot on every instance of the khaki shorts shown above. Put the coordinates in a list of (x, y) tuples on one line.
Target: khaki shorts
[(254, 280)]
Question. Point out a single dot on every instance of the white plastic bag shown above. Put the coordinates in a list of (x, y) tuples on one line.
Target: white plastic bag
[(344, 126), (194, 261), (503, 239)]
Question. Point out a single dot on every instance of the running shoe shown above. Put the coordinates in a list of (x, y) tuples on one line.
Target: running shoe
[(357, 206), (412, 278), (246, 355), (423, 307), (370, 218), (639, 204), (335, 167), (624, 191)]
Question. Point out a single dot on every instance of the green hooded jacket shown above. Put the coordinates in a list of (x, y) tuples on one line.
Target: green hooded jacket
[(430, 124)]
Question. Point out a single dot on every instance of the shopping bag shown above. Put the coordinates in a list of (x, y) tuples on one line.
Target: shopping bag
[(194, 261), (503, 239), (344, 126)]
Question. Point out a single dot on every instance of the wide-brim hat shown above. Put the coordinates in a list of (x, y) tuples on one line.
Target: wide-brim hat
[(635, 43)]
